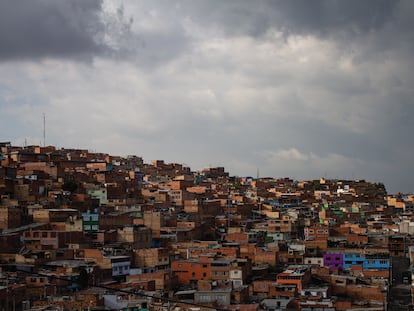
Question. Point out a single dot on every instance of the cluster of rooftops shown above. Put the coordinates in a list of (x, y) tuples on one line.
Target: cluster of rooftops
[(90, 231)]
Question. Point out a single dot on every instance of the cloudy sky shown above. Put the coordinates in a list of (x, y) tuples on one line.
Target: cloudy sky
[(294, 88)]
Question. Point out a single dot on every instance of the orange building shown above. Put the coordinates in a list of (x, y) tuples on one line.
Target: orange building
[(295, 275), (318, 232), (283, 290), (190, 271), (161, 277), (261, 287)]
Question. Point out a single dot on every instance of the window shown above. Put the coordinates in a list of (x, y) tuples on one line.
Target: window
[(204, 274), (204, 298), (44, 234)]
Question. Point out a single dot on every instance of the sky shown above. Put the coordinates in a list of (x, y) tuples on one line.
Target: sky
[(287, 88)]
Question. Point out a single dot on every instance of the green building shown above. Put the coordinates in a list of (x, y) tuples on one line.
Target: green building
[(90, 223)]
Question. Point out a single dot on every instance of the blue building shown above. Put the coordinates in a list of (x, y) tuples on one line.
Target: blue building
[(377, 262), (368, 262)]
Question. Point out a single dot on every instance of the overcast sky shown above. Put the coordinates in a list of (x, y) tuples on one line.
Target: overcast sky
[(295, 88)]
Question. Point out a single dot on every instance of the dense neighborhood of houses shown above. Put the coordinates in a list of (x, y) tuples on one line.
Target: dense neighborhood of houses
[(81, 230)]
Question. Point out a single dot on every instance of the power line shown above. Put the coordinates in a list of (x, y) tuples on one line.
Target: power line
[(164, 299)]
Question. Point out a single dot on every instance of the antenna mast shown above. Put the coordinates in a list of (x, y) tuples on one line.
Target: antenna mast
[(44, 129)]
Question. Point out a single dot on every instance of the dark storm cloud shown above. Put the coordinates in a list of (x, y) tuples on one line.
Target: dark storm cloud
[(77, 28), (326, 16), (35, 29), (321, 17)]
